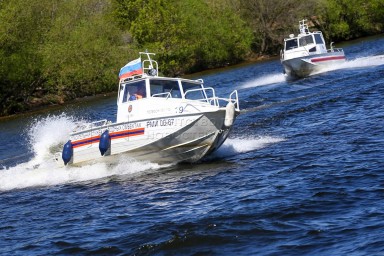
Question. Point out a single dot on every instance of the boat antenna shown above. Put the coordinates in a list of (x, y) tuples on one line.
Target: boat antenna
[(303, 27), (149, 58), (151, 69)]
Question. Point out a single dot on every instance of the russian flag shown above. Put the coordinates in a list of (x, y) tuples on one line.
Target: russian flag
[(132, 68)]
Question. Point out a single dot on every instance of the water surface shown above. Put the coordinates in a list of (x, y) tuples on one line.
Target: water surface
[(301, 174)]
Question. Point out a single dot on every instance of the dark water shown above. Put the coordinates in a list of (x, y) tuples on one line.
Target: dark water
[(302, 174)]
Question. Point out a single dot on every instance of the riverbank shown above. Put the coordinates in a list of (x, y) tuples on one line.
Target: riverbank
[(252, 59), (51, 107), (41, 105)]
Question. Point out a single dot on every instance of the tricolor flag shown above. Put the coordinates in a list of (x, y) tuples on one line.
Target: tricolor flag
[(132, 68)]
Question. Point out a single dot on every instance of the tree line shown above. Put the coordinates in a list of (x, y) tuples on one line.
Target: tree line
[(54, 51)]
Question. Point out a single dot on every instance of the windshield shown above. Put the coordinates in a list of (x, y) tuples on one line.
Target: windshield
[(305, 40), (134, 91), (165, 88)]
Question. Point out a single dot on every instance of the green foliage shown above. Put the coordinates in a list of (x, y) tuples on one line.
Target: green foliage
[(56, 50), (219, 36), (18, 44), (53, 50), (187, 35), (347, 19), (272, 20), (81, 50)]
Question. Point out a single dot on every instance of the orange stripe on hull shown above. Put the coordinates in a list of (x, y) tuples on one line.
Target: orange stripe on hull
[(114, 135), (328, 58)]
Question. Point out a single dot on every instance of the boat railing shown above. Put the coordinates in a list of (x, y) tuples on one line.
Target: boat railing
[(213, 100), (163, 95), (206, 94), (233, 98), (91, 126), (335, 50)]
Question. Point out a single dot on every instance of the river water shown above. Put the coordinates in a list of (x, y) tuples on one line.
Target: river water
[(301, 174)]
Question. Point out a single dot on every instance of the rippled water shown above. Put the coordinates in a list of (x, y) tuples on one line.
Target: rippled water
[(301, 174)]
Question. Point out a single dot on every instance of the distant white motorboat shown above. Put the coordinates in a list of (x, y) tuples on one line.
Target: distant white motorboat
[(306, 53), (159, 119)]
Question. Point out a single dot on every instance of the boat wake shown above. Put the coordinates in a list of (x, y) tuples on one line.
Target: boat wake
[(264, 80), (361, 62), (234, 146), (48, 174), (47, 136)]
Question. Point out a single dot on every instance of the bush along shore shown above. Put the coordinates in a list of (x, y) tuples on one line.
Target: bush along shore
[(53, 52)]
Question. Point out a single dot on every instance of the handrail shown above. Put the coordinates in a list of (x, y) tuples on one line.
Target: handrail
[(236, 99), (161, 94), (201, 89), (90, 126), (335, 50), (233, 97)]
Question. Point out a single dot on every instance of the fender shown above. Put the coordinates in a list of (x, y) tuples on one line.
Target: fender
[(105, 142), (67, 152)]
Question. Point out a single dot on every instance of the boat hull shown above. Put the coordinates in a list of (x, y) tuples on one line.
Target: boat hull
[(305, 66), (172, 139)]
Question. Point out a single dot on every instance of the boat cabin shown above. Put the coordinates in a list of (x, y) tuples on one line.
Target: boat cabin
[(146, 89), (149, 87), (307, 43), (313, 39)]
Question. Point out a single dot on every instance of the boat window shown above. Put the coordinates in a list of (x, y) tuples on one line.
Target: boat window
[(193, 91), (319, 39), (134, 91), (305, 40), (291, 44), (165, 88)]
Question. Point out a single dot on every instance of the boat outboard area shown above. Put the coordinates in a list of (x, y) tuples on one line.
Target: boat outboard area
[(159, 119), (307, 53)]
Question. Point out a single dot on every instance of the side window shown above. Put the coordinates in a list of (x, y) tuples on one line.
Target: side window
[(134, 91), (125, 95), (318, 39)]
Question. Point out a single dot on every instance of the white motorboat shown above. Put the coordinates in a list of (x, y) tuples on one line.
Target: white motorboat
[(159, 119), (306, 53)]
